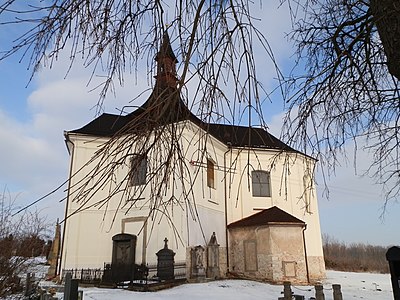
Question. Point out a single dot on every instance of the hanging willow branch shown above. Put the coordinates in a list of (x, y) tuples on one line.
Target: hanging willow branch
[(349, 93), (213, 40)]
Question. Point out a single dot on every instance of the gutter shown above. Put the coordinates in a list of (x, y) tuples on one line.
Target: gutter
[(226, 207), (305, 253)]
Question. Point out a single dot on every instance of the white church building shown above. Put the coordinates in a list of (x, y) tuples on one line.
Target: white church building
[(162, 173)]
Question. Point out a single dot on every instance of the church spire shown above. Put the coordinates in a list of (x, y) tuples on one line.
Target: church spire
[(166, 61)]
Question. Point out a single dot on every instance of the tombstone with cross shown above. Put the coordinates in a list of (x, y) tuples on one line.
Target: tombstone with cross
[(165, 262)]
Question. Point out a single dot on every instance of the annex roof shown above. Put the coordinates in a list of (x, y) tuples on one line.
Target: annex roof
[(270, 216)]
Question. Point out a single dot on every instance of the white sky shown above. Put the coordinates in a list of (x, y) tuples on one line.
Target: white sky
[(34, 159)]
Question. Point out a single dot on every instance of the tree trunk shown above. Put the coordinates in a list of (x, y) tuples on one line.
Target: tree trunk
[(387, 20)]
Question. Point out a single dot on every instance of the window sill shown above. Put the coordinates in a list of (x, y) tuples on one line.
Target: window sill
[(213, 202)]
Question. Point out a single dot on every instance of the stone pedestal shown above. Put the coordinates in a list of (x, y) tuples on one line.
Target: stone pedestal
[(213, 258), (54, 253), (197, 269)]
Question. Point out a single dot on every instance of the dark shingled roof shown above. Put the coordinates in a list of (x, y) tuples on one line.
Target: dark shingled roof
[(105, 125), (108, 125), (165, 106), (267, 217), (241, 136)]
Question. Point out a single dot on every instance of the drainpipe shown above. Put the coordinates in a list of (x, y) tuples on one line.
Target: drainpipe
[(67, 142), (305, 253), (226, 206)]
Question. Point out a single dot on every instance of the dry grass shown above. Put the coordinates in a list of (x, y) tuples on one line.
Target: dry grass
[(355, 257)]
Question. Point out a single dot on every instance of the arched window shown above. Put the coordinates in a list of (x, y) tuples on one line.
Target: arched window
[(261, 184)]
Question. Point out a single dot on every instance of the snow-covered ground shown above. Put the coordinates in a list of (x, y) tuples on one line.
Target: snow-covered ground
[(354, 286)]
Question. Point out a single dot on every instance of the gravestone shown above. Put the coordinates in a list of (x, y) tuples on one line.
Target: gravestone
[(337, 293), (287, 291), (319, 292), (123, 257), (165, 263), (29, 284), (213, 257), (197, 256), (70, 288)]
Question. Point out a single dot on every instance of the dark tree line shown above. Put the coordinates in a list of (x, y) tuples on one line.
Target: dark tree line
[(354, 257)]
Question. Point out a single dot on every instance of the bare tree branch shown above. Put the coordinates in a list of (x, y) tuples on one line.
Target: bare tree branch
[(348, 94)]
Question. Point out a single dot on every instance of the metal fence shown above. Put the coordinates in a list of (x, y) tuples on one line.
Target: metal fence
[(96, 276), (89, 276), (179, 270)]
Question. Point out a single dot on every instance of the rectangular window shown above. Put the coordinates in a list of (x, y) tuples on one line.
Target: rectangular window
[(210, 174), (137, 173), (260, 181)]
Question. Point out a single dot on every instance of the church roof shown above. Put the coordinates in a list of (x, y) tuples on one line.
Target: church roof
[(243, 136), (268, 216), (108, 125), (165, 106)]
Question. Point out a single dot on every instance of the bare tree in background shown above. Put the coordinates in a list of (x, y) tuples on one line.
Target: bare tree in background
[(21, 238), (350, 91)]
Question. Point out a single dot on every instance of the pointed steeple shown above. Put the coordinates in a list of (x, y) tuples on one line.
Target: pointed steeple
[(166, 64), (165, 105)]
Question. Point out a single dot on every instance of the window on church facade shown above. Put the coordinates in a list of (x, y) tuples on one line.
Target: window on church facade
[(261, 184), (210, 174), (138, 170)]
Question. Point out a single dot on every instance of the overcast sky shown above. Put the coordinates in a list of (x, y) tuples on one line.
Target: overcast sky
[(34, 159)]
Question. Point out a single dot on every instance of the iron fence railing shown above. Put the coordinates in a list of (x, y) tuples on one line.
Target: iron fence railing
[(85, 275), (99, 275), (179, 270)]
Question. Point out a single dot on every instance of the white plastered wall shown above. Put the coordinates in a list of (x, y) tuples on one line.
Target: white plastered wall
[(88, 234)]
